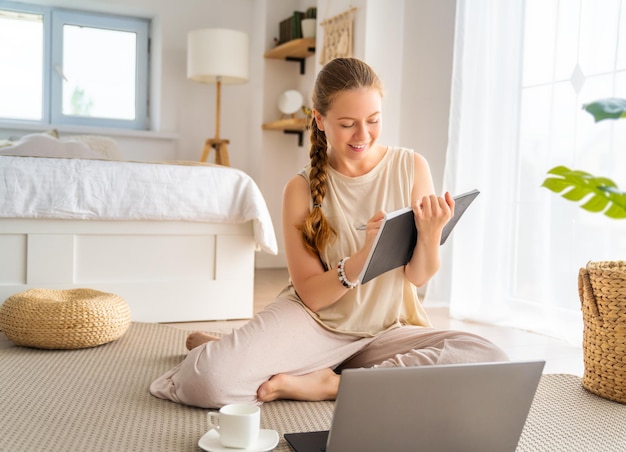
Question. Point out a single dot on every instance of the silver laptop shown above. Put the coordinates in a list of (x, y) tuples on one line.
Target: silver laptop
[(460, 407)]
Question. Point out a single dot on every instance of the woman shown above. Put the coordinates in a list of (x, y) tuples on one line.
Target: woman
[(324, 320)]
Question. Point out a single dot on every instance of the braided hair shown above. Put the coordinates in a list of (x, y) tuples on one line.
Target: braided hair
[(337, 76)]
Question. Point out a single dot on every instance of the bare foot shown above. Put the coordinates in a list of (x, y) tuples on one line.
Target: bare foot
[(198, 338), (319, 385)]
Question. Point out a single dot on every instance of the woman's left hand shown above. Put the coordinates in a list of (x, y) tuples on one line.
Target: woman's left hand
[(431, 215)]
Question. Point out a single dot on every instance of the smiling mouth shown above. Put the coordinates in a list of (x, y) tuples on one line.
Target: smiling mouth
[(358, 147)]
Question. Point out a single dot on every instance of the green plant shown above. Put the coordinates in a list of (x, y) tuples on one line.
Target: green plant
[(595, 194)]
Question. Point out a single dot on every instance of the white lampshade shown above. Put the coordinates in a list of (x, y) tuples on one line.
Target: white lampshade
[(217, 52)]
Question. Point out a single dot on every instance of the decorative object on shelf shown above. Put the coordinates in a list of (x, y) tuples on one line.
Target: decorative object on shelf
[(289, 103), (308, 113), (311, 13), (309, 23), (217, 56), (308, 28), (290, 28), (337, 36)]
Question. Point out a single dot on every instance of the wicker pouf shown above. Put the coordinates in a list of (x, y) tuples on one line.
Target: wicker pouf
[(64, 319), (602, 290)]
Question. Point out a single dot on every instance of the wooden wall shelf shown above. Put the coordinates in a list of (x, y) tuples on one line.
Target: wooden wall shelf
[(286, 124), (295, 126), (295, 50)]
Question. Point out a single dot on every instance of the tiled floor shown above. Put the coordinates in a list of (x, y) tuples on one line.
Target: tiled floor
[(560, 356)]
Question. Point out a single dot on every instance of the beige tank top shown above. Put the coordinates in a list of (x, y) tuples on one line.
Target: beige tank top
[(390, 299)]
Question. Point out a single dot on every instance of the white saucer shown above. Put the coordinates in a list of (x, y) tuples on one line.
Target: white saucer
[(268, 439)]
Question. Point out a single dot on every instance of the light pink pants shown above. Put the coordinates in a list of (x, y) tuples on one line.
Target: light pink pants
[(283, 338)]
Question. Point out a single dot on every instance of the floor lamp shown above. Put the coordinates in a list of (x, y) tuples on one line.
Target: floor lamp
[(217, 56)]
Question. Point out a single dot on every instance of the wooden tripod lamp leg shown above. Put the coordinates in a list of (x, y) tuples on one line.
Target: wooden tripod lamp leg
[(220, 145), (205, 151), (221, 153)]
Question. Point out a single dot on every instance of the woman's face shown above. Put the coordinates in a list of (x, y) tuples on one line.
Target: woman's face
[(353, 122)]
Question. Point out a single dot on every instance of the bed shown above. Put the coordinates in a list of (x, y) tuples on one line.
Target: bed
[(176, 240)]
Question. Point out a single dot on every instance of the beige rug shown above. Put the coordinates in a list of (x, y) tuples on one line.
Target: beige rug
[(97, 399)]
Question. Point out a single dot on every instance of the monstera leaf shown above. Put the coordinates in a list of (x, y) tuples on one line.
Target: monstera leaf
[(595, 194), (611, 108)]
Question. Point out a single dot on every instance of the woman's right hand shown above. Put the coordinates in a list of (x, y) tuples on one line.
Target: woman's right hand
[(371, 230), (357, 261)]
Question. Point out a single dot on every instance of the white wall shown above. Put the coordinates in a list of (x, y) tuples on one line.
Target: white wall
[(280, 155), (408, 42), (426, 79), (384, 47)]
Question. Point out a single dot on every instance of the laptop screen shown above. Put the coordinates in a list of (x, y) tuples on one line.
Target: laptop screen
[(450, 407)]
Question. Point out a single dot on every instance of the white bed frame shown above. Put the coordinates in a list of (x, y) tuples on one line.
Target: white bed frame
[(166, 271)]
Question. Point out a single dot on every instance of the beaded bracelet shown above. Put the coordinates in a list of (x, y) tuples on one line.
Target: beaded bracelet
[(342, 275)]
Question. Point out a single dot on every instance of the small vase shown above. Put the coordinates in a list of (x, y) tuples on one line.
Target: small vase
[(308, 28)]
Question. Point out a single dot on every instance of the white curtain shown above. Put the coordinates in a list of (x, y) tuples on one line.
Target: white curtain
[(522, 70)]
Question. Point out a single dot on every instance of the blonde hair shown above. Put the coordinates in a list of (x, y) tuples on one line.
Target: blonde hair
[(337, 76)]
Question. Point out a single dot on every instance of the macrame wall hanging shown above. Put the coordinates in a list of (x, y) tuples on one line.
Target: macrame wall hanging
[(337, 36)]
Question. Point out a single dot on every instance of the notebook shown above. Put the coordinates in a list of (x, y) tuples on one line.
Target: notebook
[(394, 244), (457, 407)]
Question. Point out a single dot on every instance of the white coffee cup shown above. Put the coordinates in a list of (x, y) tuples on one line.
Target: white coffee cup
[(238, 425)]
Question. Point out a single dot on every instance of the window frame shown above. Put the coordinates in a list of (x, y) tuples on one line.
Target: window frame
[(52, 102)]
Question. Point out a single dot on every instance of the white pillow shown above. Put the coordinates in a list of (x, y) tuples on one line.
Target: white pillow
[(78, 146), (44, 145), (106, 146)]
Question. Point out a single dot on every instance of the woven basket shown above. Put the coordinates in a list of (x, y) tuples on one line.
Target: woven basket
[(64, 319), (602, 290)]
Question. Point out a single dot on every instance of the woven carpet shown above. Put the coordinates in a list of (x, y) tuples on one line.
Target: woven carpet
[(97, 399)]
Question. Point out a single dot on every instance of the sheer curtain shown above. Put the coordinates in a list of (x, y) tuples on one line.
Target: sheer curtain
[(522, 70)]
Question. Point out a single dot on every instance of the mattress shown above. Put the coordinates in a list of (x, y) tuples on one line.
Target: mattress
[(87, 189)]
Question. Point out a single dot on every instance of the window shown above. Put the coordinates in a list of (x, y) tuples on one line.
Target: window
[(522, 71), (73, 67), (573, 54)]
